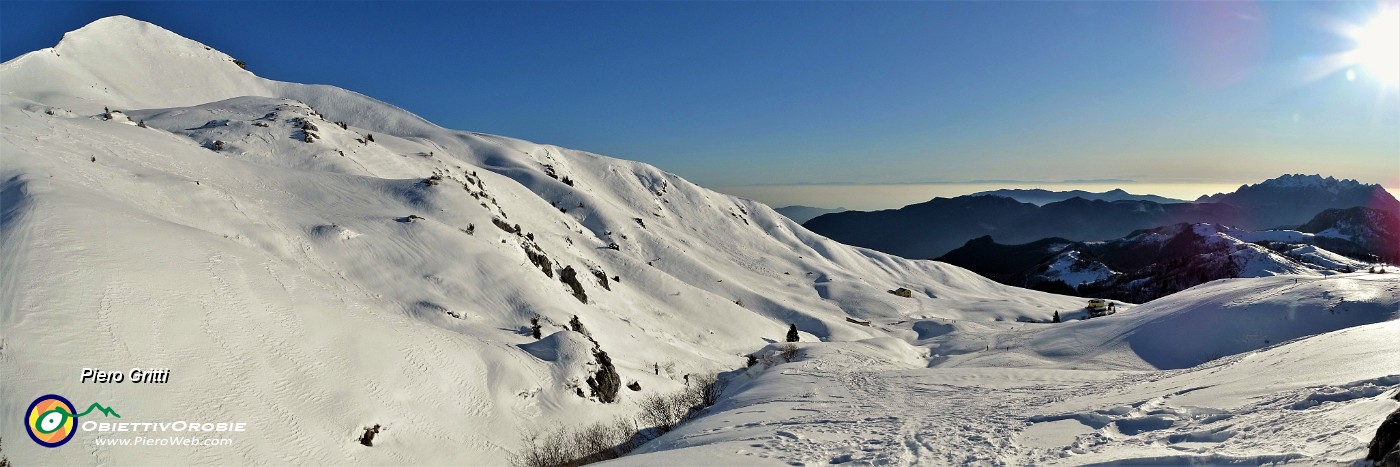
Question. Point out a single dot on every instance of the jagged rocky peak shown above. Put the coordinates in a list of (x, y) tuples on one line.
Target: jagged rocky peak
[(1315, 180)]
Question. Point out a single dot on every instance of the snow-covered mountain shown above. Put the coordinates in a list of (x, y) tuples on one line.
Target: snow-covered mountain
[(1151, 263), (312, 261), (1358, 231), (1293, 199), (934, 228)]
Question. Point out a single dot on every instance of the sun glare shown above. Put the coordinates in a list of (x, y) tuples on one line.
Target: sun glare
[(1378, 46)]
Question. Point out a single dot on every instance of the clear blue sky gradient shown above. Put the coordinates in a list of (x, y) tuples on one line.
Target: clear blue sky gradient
[(783, 93)]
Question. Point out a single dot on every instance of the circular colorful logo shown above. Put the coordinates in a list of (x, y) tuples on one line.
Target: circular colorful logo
[(50, 420)]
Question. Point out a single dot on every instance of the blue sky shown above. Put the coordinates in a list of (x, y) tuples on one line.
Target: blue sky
[(730, 94)]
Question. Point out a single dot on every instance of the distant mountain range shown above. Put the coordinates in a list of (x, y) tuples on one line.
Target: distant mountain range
[(1152, 263), (800, 214), (1290, 200), (933, 228), (1041, 197)]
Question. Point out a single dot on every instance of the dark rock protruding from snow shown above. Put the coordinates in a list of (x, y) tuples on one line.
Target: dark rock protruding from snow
[(570, 277), (1384, 449), (606, 381)]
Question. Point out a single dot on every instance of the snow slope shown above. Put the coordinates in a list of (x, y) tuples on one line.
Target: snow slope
[(310, 261), (383, 272), (1221, 318), (1073, 394)]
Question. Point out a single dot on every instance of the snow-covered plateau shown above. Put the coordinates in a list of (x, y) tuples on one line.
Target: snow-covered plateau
[(310, 262)]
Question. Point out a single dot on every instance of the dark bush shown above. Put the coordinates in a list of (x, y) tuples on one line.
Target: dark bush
[(792, 333), (502, 225), (535, 327)]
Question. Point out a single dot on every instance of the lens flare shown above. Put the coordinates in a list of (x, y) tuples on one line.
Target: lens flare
[(1378, 46)]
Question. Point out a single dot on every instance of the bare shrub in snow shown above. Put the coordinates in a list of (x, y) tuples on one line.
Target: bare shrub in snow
[(586, 444), (788, 352)]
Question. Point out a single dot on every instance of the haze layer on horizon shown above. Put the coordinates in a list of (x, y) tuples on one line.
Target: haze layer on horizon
[(870, 197)]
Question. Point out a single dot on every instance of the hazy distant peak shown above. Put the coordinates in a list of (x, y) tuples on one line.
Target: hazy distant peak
[(1042, 197)]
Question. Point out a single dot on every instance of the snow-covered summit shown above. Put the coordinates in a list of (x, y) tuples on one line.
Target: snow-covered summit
[(1314, 180), (305, 253), (124, 63), (312, 262)]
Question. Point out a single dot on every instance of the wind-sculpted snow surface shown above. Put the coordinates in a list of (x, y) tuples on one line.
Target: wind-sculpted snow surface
[(1223, 318), (1312, 401)]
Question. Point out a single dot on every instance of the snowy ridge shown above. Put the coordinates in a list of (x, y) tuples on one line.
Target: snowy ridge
[(311, 262), (1069, 268), (380, 272)]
